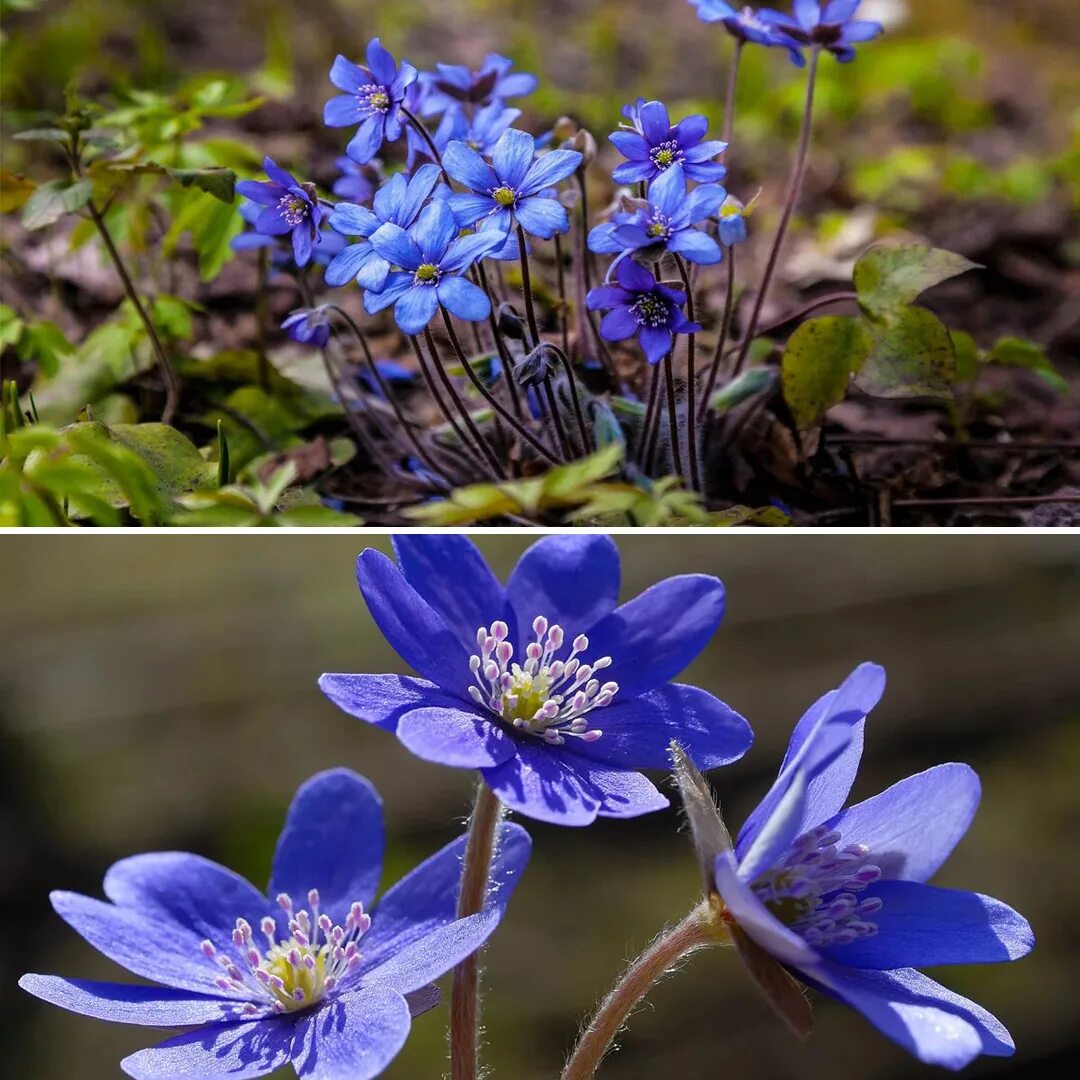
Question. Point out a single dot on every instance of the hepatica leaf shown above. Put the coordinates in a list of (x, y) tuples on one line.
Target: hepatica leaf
[(911, 355), (53, 200), (820, 358), (888, 278)]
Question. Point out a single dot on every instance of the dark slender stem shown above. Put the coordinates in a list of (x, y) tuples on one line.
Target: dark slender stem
[(556, 419), (732, 90), (564, 307), (579, 415), (651, 428), (691, 380), (475, 875), (725, 330), (501, 346), (587, 280), (795, 188), (487, 395), (673, 417), (168, 373), (526, 285), (418, 127), (386, 392)]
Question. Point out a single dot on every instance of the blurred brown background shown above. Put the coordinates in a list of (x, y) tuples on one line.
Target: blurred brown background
[(159, 693)]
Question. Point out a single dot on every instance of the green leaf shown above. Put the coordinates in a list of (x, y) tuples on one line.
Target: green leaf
[(912, 355), (887, 277), (11, 326), (749, 384), (15, 191), (46, 344), (1015, 352), (221, 183), (967, 356), (53, 200), (50, 135), (818, 363)]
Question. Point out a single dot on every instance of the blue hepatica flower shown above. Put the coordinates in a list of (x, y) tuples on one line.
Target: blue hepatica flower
[(281, 253), (831, 26), (839, 895), (731, 222), (289, 207), (653, 145), (556, 694), (398, 201), (453, 88), (513, 189), (373, 96), (746, 24), (640, 306), (309, 326), (431, 258), (303, 975), (666, 222)]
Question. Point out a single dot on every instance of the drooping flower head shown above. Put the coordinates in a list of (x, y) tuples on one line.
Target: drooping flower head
[(666, 221), (748, 25), (309, 326), (289, 207), (454, 88), (430, 258), (398, 201), (373, 96), (639, 306), (832, 27), (839, 896), (305, 974), (653, 144), (513, 188), (556, 694)]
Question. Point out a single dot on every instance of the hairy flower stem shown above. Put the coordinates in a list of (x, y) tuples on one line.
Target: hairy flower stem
[(651, 425), (391, 400), (794, 190), (725, 330), (487, 395), (691, 380), (693, 933), (586, 283), (500, 344), (473, 443), (418, 127), (168, 373), (564, 306), (534, 333), (475, 872), (673, 418)]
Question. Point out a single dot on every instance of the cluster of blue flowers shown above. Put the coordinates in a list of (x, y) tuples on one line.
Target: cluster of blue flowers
[(559, 696)]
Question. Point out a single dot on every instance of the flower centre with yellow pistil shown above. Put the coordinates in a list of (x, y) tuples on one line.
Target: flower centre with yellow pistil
[(374, 97), (651, 310), (814, 890), (504, 196), (427, 274), (293, 209), (666, 154), (545, 696), (293, 973)]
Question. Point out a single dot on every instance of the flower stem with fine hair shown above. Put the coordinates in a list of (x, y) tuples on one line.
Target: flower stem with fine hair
[(475, 872), (672, 946)]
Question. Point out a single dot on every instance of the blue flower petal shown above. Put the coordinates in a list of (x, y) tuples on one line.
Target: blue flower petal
[(542, 217), (655, 122), (259, 192), (144, 944), (126, 1003), (278, 175), (822, 759), (412, 628), (380, 63), (271, 223), (633, 172), (572, 580), (912, 827), (541, 783), (382, 700), (653, 637), (218, 1052), (302, 243), (929, 1021), (364, 145), (469, 209), (353, 1037), (512, 155), (924, 926), (397, 246), (449, 572), (839, 11), (466, 166), (624, 793), (188, 891), (346, 75), (630, 144), (637, 733), (344, 266), (548, 169), (696, 246), (342, 111), (417, 191), (460, 737), (861, 30), (690, 130), (416, 308), (333, 841), (618, 324), (463, 299), (426, 898), (349, 219), (434, 229)]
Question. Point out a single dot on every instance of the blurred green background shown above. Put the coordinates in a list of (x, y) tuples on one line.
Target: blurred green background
[(160, 693)]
